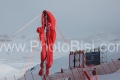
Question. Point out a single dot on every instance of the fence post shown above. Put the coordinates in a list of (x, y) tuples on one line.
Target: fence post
[(114, 64), (62, 76), (103, 69), (96, 74), (32, 75), (110, 68), (14, 77), (73, 74)]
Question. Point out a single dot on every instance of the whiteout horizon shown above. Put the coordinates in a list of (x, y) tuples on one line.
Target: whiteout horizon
[(60, 47)]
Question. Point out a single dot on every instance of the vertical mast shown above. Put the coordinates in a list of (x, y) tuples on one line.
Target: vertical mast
[(45, 36)]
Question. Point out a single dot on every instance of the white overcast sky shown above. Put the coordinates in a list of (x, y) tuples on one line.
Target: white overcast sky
[(75, 18)]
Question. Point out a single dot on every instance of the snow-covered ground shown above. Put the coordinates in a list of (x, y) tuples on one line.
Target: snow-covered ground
[(14, 63), (113, 76)]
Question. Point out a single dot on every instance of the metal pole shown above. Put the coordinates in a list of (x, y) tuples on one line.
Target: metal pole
[(32, 75), (110, 68), (114, 64), (103, 69), (62, 76)]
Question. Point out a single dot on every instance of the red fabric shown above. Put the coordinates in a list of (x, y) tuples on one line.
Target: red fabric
[(51, 36), (40, 30)]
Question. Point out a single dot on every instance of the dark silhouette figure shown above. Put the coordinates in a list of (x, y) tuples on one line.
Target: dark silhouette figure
[(94, 72), (61, 70)]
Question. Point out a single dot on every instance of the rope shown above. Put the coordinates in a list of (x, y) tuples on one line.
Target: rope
[(27, 24), (23, 65), (33, 49), (62, 36), (21, 29)]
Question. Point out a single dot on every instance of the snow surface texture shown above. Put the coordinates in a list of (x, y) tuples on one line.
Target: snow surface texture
[(11, 63)]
